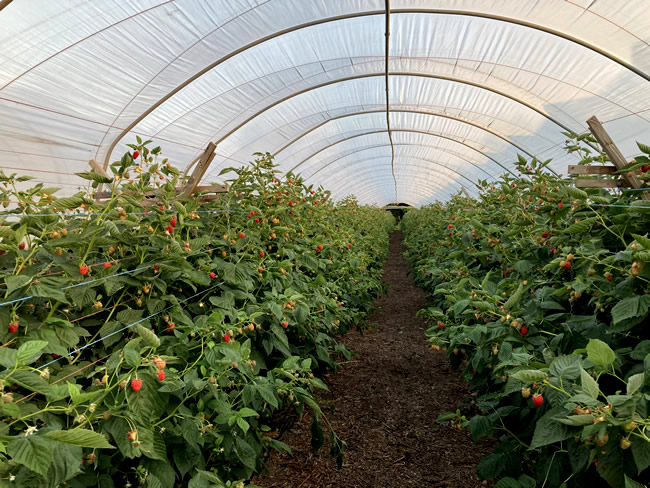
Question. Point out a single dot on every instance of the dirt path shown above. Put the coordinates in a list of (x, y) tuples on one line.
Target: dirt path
[(385, 404)]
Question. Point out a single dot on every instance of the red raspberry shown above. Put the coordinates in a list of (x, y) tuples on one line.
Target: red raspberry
[(136, 384), (161, 375)]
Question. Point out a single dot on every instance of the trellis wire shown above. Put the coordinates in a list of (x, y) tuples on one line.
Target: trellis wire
[(111, 213), (83, 283), (97, 341)]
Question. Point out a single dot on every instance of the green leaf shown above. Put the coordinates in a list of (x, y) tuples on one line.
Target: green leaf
[(578, 455), (68, 202), (31, 381), (630, 308), (576, 193), (491, 466), (641, 453), (34, 451), (641, 350), (317, 437), (600, 353), (91, 175), (268, 395), (643, 148), (530, 375), (131, 353), (148, 336), (65, 465), (630, 483), (460, 306), (548, 430), (246, 453), (247, 412), (29, 349), (566, 367), (507, 483), (527, 481), (80, 437), (589, 385), (243, 425), (582, 226), (577, 420), (211, 477), (16, 282), (479, 426), (47, 288), (634, 383)]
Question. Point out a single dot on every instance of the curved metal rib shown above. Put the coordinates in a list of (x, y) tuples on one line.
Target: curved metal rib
[(402, 130), (211, 66)]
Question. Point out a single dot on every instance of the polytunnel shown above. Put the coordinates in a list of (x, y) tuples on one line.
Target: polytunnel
[(468, 84), (324, 243)]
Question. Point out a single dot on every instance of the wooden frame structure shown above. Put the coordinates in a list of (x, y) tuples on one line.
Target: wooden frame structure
[(210, 192), (627, 180)]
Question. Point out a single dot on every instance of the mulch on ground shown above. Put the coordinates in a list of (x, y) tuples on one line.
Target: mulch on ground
[(385, 402)]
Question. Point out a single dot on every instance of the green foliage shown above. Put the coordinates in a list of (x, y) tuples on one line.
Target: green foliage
[(171, 373), (520, 321)]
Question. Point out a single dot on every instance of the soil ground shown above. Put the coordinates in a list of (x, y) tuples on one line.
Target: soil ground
[(385, 402)]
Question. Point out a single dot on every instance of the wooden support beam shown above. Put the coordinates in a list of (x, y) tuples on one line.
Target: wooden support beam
[(601, 183), (465, 191), (614, 153), (199, 171), (591, 170), (212, 189), (328, 194)]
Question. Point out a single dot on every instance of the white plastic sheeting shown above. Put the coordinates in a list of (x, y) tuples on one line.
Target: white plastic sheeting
[(472, 83)]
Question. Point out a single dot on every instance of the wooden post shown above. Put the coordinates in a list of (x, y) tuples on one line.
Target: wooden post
[(591, 170), (328, 194), (199, 171), (465, 191), (614, 153)]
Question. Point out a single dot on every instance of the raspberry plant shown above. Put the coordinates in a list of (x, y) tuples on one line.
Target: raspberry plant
[(539, 293), (151, 343)]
